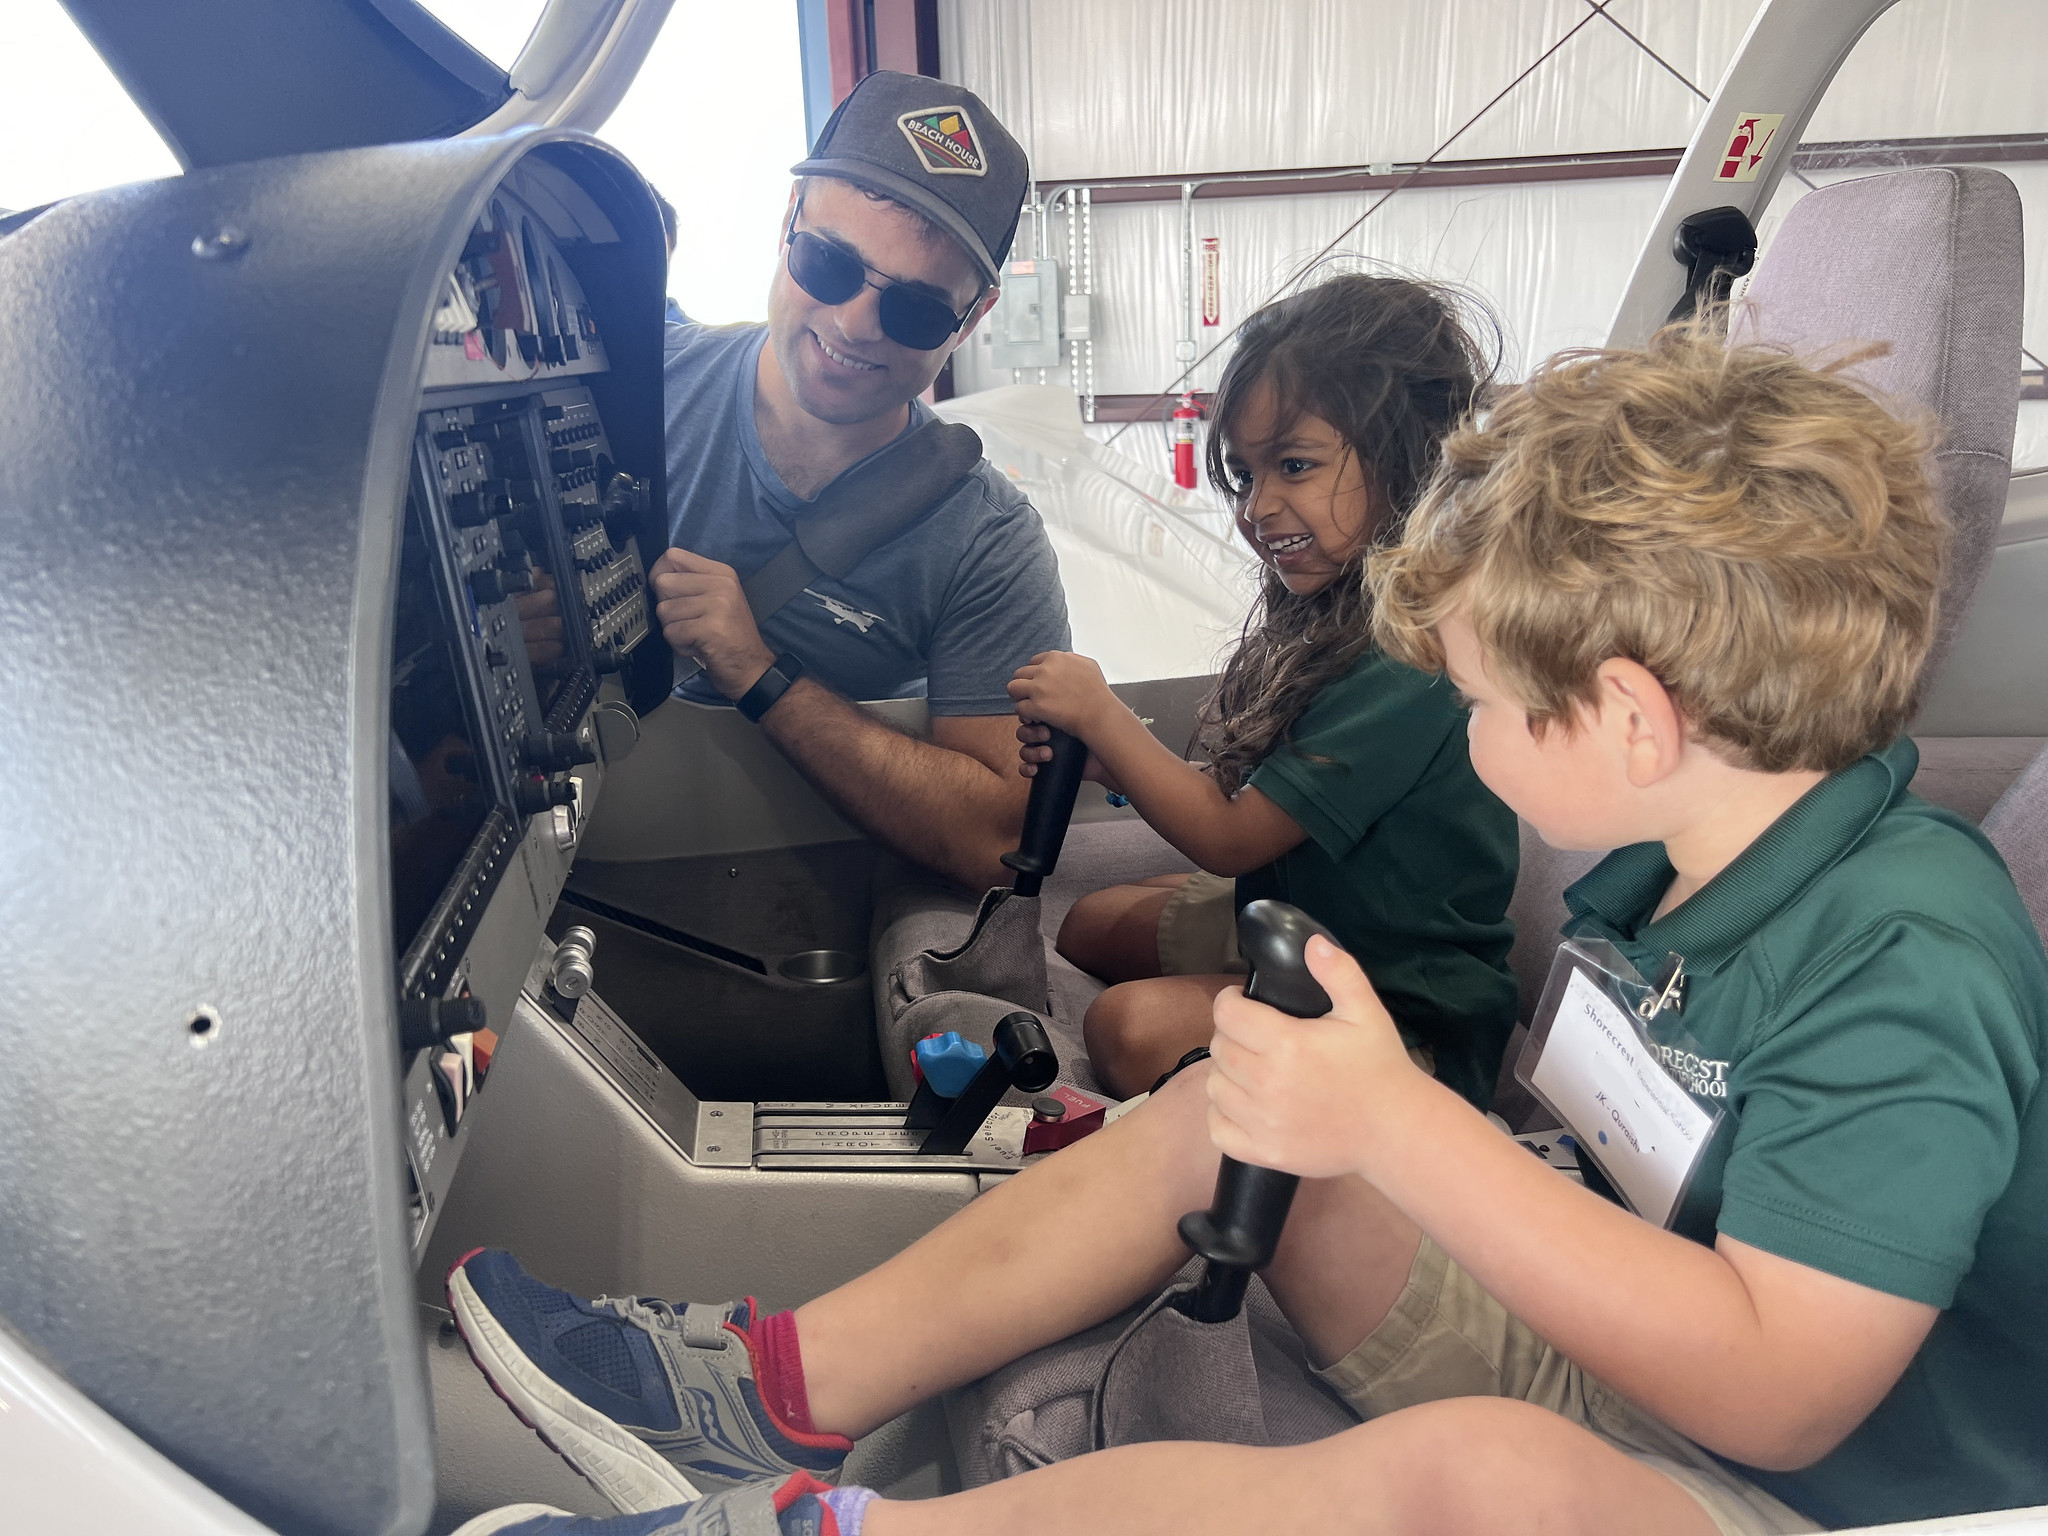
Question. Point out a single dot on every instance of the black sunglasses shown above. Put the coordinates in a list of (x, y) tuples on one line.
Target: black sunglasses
[(832, 274)]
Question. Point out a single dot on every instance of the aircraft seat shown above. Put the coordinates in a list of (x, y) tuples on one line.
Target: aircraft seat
[(1929, 261)]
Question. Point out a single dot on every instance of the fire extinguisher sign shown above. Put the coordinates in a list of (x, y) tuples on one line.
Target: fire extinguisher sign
[(1748, 143), (1212, 282)]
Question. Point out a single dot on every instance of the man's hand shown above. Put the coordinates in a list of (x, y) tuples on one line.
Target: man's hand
[(1035, 748), (703, 614), (1302, 1095), (540, 620)]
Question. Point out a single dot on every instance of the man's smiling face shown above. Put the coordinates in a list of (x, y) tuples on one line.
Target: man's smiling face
[(838, 364)]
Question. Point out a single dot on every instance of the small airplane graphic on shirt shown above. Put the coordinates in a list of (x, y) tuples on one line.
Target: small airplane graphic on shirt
[(843, 614)]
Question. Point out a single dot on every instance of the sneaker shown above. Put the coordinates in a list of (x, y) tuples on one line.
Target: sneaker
[(652, 1403), (758, 1509)]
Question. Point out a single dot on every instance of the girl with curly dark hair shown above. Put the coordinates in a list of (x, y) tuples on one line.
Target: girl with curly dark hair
[(1329, 775)]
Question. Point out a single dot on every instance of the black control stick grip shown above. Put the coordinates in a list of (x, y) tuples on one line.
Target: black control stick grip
[(1023, 1058), (1241, 1229), (1047, 813)]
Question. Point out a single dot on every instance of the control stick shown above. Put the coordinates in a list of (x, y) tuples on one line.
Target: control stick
[(1023, 1058), (1047, 813), (1241, 1228)]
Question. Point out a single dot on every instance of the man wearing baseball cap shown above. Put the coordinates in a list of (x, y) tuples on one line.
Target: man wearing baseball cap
[(891, 253)]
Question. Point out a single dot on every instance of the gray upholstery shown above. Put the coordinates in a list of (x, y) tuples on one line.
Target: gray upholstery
[(1929, 261), (917, 911), (1246, 1381), (1967, 774), (2018, 828)]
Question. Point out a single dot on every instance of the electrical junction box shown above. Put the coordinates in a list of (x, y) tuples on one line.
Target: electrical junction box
[(1023, 330), (1080, 313)]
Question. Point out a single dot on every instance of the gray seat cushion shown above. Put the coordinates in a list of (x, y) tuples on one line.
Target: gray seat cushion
[(2018, 828), (1248, 1381), (1928, 261), (917, 911)]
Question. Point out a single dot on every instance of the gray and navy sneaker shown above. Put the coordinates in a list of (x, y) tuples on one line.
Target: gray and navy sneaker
[(758, 1509), (652, 1403)]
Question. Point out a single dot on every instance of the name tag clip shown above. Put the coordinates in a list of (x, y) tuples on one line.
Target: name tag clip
[(1667, 991)]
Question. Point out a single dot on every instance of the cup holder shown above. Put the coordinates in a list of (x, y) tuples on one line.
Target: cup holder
[(822, 967)]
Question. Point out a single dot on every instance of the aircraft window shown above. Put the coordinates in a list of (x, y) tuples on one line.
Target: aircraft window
[(66, 126), (1947, 82), (1532, 178), (718, 143), (497, 29)]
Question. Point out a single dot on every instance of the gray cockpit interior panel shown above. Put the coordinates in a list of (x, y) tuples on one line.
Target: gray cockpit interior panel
[(216, 387)]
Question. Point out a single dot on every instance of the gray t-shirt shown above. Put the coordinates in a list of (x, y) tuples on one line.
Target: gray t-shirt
[(947, 611)]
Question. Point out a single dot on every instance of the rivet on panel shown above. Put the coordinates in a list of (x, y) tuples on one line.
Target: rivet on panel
[(224, 244)]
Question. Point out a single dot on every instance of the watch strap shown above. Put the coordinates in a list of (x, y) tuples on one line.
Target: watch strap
[(772, 685)]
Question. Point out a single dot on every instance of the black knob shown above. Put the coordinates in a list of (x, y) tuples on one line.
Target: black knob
[(494, 586), (493, 657), (556, 752), (1047, 813), (1241, 1229), (430, 1021), (551, 413), (450, 438), (536, 797), (472, 509)]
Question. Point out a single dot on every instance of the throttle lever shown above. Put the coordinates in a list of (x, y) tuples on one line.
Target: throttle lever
[(1023, 1058), (1047, 812), (1241, 1229)]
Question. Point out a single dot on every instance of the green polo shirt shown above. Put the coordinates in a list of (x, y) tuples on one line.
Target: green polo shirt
[(1868, 986), (1410, 860)]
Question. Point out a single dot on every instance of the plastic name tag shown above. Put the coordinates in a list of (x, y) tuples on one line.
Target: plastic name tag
[(1595, 1058)]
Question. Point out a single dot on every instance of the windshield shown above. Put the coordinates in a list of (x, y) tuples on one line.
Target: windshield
[(66, 126), (497, 29)]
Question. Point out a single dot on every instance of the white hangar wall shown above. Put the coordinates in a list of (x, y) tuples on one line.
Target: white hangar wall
[(1173, 88)]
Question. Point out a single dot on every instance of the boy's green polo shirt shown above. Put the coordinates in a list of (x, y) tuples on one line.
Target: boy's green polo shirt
[(1410, 860), (1867, 983)]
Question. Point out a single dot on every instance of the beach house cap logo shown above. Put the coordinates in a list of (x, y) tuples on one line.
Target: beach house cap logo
[(944, 140)]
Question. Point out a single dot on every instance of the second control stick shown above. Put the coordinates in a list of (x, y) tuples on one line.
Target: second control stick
[(1047, 812), (1241, 1229)]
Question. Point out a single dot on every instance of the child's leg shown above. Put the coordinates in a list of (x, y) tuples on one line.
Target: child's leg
[(1071, 1242), (1113, 933), (1478, 1465), (1138, 1030)]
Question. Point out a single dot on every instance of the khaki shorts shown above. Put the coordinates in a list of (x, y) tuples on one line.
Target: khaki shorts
[(1446, 1337), (1198, 929), (1198, 937)]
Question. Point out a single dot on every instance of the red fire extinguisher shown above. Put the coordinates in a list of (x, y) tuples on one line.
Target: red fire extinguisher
[(1185, 416)]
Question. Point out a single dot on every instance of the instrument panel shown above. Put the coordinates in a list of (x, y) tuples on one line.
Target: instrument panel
[(521, 586)]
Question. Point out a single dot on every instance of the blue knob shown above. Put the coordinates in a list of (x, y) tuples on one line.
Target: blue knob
[(949, 1062)]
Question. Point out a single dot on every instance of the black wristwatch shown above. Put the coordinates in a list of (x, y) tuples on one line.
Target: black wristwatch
[(773, 684)]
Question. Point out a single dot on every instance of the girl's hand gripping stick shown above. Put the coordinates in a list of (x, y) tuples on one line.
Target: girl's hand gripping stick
[(1241, 1228), (1047, 812)]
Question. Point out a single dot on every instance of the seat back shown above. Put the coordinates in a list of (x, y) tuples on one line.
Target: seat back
[(1929, 261), (2018, 828)]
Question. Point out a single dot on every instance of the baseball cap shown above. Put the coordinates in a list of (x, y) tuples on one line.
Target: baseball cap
[(933, 147)]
